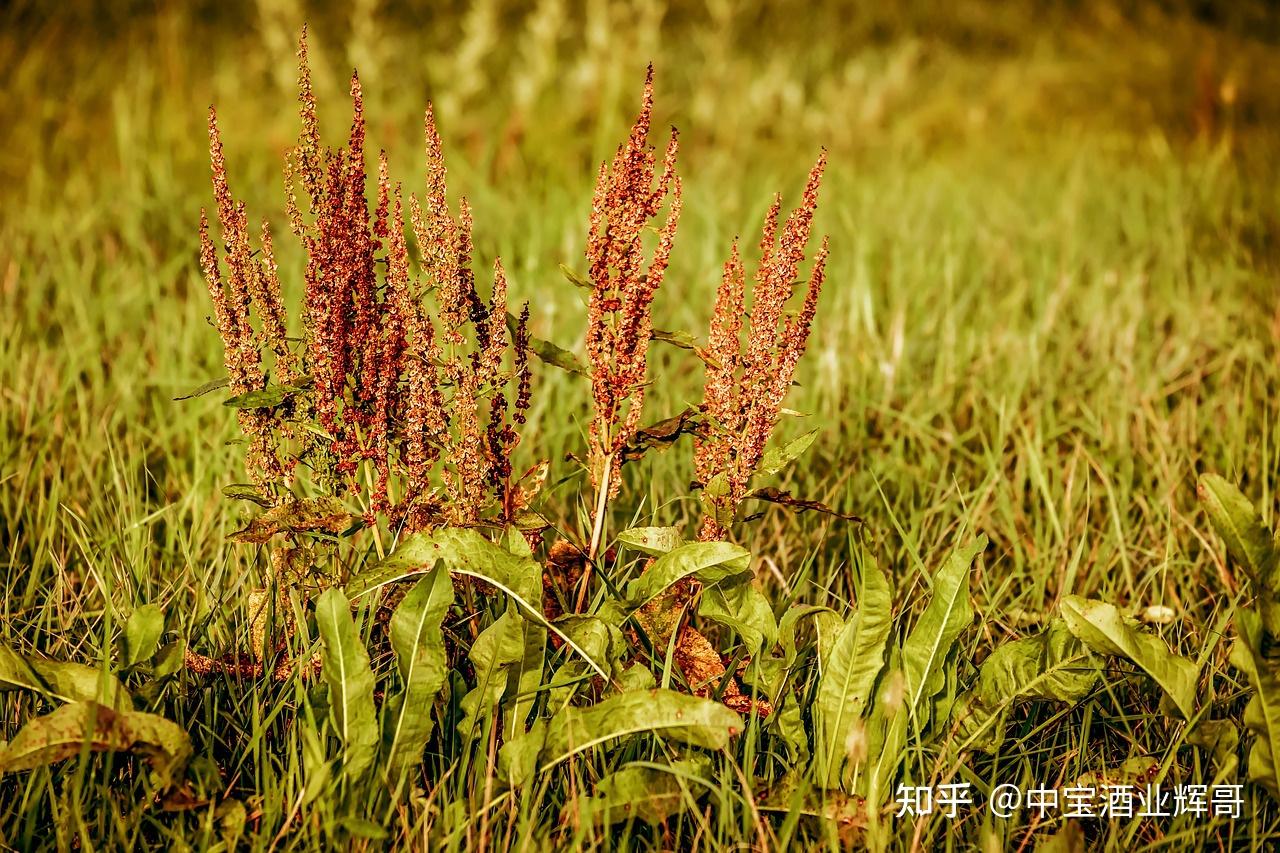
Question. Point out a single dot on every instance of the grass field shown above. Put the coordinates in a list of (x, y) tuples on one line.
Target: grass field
[(1051, 305)]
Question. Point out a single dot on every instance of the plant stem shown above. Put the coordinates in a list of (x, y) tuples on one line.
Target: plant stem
[(597, 532), (602, 504)]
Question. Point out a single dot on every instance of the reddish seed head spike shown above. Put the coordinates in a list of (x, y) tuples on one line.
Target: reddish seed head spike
[(744, 393), (628, 194), (309, 138)]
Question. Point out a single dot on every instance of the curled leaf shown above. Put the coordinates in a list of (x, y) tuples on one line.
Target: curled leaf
[(663, 434), (323, 514), (1248, 540), (777, 458), (246, 492), (550, 353), (783, 498), (265, 398), (207, 388), (61, 680)]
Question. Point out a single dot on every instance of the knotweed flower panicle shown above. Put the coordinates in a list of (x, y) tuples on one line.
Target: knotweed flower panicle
[(410, 400), (745, 386), (250, 286), (386, 364), (619, 327)]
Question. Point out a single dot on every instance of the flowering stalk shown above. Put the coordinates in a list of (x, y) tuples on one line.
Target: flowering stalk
[(418, 414), (745, 385), (619, 322)]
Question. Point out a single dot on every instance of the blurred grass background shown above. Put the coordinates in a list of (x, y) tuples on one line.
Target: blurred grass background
[(1052, 293)]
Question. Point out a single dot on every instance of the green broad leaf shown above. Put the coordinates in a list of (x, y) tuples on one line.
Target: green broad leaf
[(676, 717), (777, 458), (524, 677), (142, 634), (417, 638), (462, 551), (850, 671), (206, 388), (231, 816), (886, 732), (1262, 714), (318, 770), (498, 656), (636, 677), (602, 640), (266, 398), (711, 496), (170, 659), (465, 551), (1220, 739), (946, 616), (787, 723), (654, 541), (744, 609), (518, 757), (1102, 628), (246, 492), (826, 623), (324, 514), (1053, 665), (87, 725), (709, 562), (345, 667), (61, 680), (650, 792), (360, 827), (549, 353), (1248, 540)]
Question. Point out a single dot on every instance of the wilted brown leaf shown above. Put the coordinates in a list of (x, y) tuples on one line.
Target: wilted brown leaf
[(309, 514), (704, 669)]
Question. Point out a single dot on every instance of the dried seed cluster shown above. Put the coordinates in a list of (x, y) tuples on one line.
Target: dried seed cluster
[(746, 384), (619, 324), (418, 416)]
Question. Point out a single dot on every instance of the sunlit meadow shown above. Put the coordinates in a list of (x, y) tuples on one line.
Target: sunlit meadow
[(639, 425)]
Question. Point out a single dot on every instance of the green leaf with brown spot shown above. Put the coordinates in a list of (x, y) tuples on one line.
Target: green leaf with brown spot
[(87, 725), (60, 680)]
